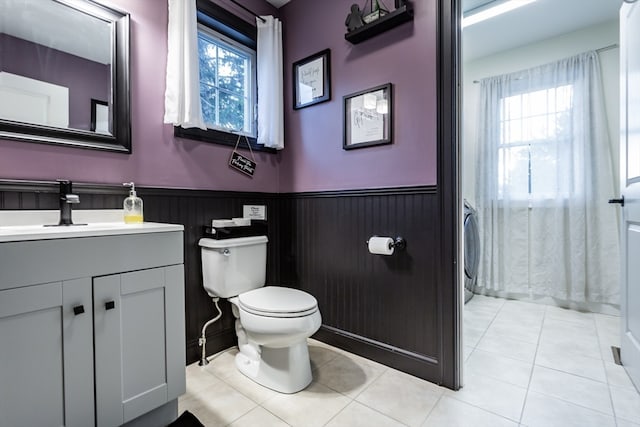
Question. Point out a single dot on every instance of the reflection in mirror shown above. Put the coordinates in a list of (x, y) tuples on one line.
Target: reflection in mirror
[(64, 73)]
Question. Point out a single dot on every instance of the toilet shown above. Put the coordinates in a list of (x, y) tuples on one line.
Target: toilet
[(272, 322)]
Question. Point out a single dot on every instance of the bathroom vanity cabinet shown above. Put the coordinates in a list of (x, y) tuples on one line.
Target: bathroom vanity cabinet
[(92, 327)]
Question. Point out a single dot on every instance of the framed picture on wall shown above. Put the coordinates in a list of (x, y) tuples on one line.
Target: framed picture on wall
[(368, 117), (312, 80)]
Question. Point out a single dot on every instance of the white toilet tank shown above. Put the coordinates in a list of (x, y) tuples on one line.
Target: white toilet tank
[(233, 266)]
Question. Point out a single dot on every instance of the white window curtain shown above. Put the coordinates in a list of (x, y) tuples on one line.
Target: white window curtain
[(544, 175), (270, 83), (182, 94)]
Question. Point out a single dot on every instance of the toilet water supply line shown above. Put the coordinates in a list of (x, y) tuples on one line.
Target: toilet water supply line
[(203, 339)]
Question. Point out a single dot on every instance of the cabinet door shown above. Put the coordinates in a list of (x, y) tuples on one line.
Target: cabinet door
[(139, 342), (46, 355)]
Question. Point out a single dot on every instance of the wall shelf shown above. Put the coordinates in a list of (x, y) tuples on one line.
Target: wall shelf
[(391, 20)]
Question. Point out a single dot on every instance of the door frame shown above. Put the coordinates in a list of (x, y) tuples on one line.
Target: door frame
[(449, 193)]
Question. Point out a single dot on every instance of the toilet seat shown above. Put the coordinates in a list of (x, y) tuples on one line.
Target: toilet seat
[(276, 301)]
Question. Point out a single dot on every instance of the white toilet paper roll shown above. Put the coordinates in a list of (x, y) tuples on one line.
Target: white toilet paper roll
[(381, 245)]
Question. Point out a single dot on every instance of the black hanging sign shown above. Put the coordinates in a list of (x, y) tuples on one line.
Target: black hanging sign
[(242, 163)]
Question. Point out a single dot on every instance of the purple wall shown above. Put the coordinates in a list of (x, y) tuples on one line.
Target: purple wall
[(85, 79), (158, 158), (313, 158)]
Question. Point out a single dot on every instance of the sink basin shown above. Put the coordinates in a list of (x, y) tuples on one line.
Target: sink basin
[(33, 225)]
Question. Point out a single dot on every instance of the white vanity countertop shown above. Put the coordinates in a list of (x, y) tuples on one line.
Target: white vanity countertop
[(18, 226)]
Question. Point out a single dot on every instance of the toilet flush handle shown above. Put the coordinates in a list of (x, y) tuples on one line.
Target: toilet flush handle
[(226, 252)]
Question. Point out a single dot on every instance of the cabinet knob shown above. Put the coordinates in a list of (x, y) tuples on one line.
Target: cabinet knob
[(109, 305), (78, 309)]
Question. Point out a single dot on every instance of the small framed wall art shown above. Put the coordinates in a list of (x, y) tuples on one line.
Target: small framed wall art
[(312, 80), (368, 117)]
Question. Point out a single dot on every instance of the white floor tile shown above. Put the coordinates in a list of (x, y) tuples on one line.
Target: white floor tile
[(320, 355), (485, 303), (606, 342), (248, 387), (478, 319), (198, 379), (573, 382), (467, 352), (217, 405), (412, 399), (626, 403), (450, 412), (471, 335), (259, 417), (571, 316), (223, 364), (607, 325), (587, 367), (625, 423), (545, 411), (617, 376), (571, 388), (312, 407), (586, 346), (505, 369), (358, 415), (348, 375), (508, 347), (492, 395), (513, 330)]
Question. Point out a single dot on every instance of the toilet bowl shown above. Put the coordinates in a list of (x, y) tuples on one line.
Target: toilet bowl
[(272, 322)]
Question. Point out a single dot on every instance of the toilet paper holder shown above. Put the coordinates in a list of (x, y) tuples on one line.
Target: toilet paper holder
[(398, 243)]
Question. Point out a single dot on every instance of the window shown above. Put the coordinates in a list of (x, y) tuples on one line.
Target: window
[(228, 90), (535, 141), (227, 83)]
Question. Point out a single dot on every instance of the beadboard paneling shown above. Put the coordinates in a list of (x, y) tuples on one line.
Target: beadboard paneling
[(191, 208), (383, 307), (387, 308)]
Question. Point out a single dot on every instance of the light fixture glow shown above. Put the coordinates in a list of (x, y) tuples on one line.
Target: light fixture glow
[(492, 12)]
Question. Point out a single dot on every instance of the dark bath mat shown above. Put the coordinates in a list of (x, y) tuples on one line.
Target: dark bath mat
[(187, 419)]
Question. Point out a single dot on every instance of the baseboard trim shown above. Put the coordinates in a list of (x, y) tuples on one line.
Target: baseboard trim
[(418, 365)]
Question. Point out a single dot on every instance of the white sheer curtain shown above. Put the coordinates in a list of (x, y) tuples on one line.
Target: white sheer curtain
[(182, 94), (543, 179), (270, 83)]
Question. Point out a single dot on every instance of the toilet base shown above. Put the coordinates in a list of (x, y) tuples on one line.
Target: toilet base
[(287, 369)]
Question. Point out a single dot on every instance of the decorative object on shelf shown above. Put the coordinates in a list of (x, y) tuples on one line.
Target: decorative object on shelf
[(368, 117), (312, 79), (378, 21), (241, 163), (354, 19), (376, 12)]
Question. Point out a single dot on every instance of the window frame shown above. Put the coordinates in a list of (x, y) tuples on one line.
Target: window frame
[(230, 26), (504, 146)]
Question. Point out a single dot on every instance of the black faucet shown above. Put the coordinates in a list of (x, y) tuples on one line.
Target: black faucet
[(67, 198)]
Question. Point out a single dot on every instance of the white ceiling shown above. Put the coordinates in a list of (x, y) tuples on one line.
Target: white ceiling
[(57, 26), (534, 22)]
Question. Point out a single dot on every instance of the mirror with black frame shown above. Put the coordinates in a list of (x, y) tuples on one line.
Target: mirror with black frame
[(64, 74)]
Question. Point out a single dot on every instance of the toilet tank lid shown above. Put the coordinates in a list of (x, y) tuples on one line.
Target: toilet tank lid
[(231, 243)]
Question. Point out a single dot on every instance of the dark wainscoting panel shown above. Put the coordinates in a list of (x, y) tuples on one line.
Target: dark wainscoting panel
[(191, 208), (382, 307), (385, 308)]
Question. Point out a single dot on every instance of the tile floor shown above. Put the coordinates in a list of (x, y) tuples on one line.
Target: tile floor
[(525, 365)]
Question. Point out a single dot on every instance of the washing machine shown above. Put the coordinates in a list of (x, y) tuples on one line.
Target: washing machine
[(471, 250)]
